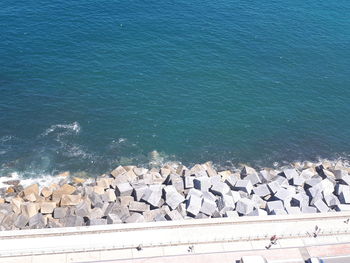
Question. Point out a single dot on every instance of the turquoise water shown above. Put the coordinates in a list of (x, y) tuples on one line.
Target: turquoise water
[(87, 85)]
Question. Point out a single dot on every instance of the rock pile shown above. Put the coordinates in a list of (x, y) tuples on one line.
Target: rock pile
[(132, 194)]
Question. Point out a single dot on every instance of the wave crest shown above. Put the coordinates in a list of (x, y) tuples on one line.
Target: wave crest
[(72, 128)]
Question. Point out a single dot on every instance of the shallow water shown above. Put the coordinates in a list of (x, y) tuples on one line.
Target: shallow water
[(87, 85)]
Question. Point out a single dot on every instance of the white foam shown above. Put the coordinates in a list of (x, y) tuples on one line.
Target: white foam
[(42, 181), (6, 138), (69, 128)]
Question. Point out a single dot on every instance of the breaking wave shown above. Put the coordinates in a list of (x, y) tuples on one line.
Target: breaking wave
[(63, 129)]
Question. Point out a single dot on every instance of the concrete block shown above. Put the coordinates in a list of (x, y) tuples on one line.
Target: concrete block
[(135, 218), (153, 195), (151, 214), (209, 196), (308, 210), (321, 206), (139, 207), (278, 212), (83, 208), (160, 218), (340, 173), (97, 221), (29, 209), (194, 204), (342, 208), (283, 195), (274, 205), (172, 197), (194, 192), (139, 191), (300, 200), (290, 173), (281, 180), (312, 182), (253, 178), (47, 207), (210, 169), (199, 171), (188, 181), (118, 171), (21, 221), (307, 173), (345, 180), (293, 210), (113, 219), (235, 196), (37, 221), (327, 186), (265, 176), (231, 181), (96, 200), (220, 188), (231, 214), (331, 200), (173, 215), (248, 171), (70, 200), (125, 200), (258, 201), (225, 201), (202, 183), (96, 213), (110, 195), (123, 189), (258, 212), (261, 190), (208, 207), (244, 206), (59, 212), (244, 185), (344, 196), (297, 181), (274, 186)]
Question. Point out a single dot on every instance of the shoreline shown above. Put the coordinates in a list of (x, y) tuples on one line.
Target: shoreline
[(131, 194)]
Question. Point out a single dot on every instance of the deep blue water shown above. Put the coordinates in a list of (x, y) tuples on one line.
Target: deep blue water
[(87, 85)]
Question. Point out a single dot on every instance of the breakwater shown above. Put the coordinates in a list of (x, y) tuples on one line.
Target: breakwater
[(131, 194)]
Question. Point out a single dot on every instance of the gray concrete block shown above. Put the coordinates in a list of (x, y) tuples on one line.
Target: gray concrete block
[(308, 210), (342, 208), (345, 180), (225, 201), (284, 195), (265, 176), (312, 182), (159, 218), (231, 214), (290, 173), (274, 186), (258, 201), (281, 180), (244, 185), (220, 188), (172, 197), (194, 204), (258, 212), (344, 196), (331, 200), (135, 218), (153, 195), (139, 191), (193, 191), (113, 219), (297, 181), (340, 174), (293, 210), (59, 212), (327, 186), (235, 196), (209, 196), (96, 213), (208, 207), (173, 215), (202, 183), (37, 221), (83, 208), (21, 221), (188, 182), (139, 207), (253, 178), (231, 181), (244, 206), (97, 221), (279, 212), (123, 189), (72, 221), (274, 205), (248, 171), (262, 190), (321, 206), (300, 200), (96, 200)]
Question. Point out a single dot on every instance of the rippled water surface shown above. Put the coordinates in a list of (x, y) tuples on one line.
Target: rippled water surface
[(87, 85)]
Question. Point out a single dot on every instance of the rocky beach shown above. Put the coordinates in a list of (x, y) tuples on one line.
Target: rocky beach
[(131, 194)]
